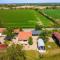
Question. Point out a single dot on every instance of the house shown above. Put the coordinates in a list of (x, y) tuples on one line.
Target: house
[(2, 36), (35, 32), (2, 30), (56, 36), (24, 36), (41, 45)]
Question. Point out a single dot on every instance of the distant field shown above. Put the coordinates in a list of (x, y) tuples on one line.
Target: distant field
[(22, 18), (54, 13)]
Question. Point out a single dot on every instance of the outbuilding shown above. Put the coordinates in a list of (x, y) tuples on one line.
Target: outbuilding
[(56, 37), (2, 30), (3, 46)]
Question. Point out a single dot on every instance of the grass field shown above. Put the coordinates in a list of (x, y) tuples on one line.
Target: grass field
[(34, 55), (45, 21), (54, 13), (22, 18)]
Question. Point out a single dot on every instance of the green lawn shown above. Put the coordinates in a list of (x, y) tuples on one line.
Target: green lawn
[(55, 57), (34, 55), (22, 18), (54, 13)]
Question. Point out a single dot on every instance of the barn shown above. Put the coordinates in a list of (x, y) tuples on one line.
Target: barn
[(56, 37), (3, 46), (2, 30)]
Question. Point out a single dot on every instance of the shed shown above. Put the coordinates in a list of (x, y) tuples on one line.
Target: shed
[(56, 36), (2, 30), (3, 46)]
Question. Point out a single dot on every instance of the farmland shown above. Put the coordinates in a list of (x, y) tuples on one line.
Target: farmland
[(33, 55), (26, 18), (23, 18), (54, 13)]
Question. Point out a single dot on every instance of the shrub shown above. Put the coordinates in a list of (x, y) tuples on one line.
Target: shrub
[(38, 27), (30, 41)]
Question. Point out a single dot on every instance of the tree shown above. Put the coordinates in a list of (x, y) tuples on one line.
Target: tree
[(36, 9), (54, 7), (7, 42), (9, 33), (47, 7), (38, 27), (44, 35), (21, 29), (30, 41), (13, 52)]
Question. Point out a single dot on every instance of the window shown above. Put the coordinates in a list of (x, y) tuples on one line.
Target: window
[(59, 42), (41, 48), (25, 40)]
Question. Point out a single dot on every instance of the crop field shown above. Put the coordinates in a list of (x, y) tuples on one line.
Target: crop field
[(22, 18), (54, 13)]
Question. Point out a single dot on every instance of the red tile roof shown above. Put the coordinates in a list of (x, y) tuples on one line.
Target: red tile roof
[(24, 35), (2, 30), (3, 46), (57, 35)]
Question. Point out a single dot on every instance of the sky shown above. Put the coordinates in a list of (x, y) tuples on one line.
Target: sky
[(29, 1)]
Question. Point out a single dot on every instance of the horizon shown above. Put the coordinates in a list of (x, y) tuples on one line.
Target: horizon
[(28, 1)]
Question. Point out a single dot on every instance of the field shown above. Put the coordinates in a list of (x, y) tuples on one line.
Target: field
[(22, 18), (54, 13), (45, 21), (34, 55)]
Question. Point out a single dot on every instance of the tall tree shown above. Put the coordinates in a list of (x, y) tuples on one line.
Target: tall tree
[(44, 35), (13, 52)]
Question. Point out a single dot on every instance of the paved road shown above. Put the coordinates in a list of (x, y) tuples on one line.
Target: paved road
[(52, 28)]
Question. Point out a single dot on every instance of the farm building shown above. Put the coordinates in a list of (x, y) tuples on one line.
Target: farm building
[(2, 30), (41, 45), (24, 36), (3, 46), (36, 32), (56, 36)]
